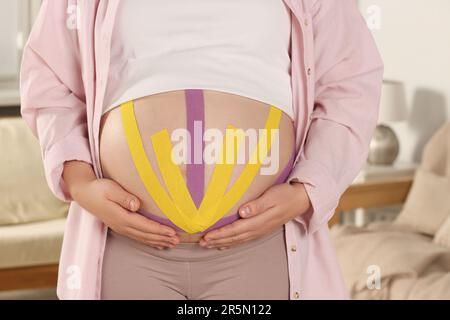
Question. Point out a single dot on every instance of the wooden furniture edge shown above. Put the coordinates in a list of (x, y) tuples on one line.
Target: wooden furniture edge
[(32, 277), (373, 194)]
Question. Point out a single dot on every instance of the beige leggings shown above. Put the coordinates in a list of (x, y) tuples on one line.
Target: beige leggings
[(254, 270)]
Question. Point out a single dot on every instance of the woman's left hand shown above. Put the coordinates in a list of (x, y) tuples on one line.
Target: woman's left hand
[(275, 207)]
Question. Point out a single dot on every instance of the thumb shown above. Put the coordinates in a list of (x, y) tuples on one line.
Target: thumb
[(123, 198), (255, 207)]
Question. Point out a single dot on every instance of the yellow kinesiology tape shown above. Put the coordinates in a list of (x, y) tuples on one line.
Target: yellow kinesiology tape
[(178, 205)]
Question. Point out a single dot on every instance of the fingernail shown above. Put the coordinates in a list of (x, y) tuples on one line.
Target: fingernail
[(132, 204), (245, 211)]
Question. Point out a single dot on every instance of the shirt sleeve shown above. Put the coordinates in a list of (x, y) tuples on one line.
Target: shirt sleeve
[(347, 77), (52, 93)]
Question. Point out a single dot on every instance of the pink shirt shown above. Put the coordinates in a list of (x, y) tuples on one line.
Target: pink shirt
[(336, 81)]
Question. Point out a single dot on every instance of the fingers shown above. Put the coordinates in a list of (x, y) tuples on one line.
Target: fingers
[(120, 196), (236, 232), (229, 235), (128, 201), (257, 206), (242, 230), (228, 242), (232, 229), (144, 224), (152, 239), (143, 229)]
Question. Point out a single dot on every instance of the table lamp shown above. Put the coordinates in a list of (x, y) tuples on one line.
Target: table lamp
[(384, 147)]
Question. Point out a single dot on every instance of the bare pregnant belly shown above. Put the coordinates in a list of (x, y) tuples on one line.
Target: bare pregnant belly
[(193, 157)]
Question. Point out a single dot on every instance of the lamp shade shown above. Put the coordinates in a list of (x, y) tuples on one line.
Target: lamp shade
[(393, 102)]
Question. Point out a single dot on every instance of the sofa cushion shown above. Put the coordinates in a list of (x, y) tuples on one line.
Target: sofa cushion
[(31, 244), (442, 236), (25, 195), (428, 203), (403, 264)]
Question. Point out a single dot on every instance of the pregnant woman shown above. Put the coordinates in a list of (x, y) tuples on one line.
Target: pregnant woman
[(203, 144)]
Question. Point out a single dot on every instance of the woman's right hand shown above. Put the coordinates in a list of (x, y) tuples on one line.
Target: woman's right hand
[(115, 207)]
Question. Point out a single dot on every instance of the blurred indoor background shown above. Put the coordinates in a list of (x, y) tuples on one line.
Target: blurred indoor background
[(392, 227)]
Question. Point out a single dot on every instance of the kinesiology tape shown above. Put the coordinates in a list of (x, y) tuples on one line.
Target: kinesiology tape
[(186, 203)]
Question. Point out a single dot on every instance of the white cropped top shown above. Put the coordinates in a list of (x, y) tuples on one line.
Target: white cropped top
[(236, 46)]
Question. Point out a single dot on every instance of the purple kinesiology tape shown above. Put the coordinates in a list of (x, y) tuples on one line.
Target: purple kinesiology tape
[(195, 170)]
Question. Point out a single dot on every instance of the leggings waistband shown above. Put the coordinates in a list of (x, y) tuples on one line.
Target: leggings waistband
[(193, 251)]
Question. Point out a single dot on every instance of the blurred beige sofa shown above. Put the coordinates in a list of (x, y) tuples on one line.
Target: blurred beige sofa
[(410, 257), (31, 219)]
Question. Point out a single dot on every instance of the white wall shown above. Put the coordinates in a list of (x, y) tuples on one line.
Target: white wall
[(9, 30), (16, 17), (414, 40)]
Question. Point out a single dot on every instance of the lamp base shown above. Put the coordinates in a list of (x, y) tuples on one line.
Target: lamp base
[(384, 147)]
